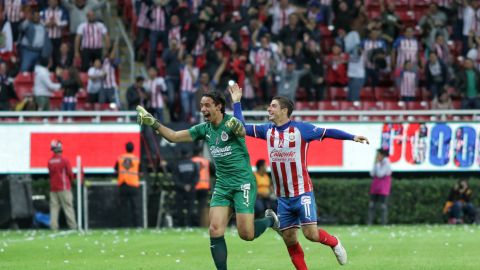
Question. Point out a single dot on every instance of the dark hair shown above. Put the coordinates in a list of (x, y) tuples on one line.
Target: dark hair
[(44, 61), (139, 79), (285, 103), (218, 98), (129, 147), (384, 152), (260, 163)]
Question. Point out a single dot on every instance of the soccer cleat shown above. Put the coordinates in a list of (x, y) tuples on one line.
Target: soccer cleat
[(145, 118), (276, 222), (340, 253)]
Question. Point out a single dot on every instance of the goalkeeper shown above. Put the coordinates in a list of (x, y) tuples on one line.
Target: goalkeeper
[(235, 188)]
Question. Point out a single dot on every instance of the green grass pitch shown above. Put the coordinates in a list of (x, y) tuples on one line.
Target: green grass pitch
[(392, 247)]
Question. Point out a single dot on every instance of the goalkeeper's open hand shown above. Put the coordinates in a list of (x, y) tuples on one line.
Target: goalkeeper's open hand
[(145, 118), (236, 126)]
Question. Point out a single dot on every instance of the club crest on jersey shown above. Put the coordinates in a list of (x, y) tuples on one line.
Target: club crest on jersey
[(224, 136), (291, 137)]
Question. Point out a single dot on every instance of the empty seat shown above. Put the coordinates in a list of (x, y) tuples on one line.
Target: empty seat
[(394, 105), (337, 93), (386, 94), (328, 105), (368, 106), (367, 94), (23, 84), (416, 105)]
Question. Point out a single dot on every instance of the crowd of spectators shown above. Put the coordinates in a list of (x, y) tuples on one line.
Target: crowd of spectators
[(422, 50)]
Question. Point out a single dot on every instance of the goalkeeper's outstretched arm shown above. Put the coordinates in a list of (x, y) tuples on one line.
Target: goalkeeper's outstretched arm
[(145, 118)]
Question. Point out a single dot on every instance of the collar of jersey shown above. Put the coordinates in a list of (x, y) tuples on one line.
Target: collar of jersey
[(284, 126)]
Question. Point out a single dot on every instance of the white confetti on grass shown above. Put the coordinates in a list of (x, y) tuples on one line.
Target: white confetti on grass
[(177, 260), (2, 250), (66, 261), (122, 256)]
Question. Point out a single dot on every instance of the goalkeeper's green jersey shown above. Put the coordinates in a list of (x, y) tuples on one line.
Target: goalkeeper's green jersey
[(229, 153)]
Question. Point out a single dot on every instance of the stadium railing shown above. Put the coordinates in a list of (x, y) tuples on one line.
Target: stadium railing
[(311, 115)]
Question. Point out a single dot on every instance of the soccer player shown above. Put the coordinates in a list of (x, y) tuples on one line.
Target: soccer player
[(235, 187), (287, 143)]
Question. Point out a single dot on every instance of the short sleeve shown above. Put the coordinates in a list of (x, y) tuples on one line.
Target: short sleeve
[(80, 29), (103, 29), (311, 132), (198, 131)]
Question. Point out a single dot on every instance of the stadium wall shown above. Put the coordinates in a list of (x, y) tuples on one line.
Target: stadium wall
[(25, 148)]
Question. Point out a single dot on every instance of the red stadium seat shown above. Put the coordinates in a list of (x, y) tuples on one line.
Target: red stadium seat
[(457, 104), (349, 105), (369, 106), (84, 79), (394, 105), (407, 17), (367, 94), (301, 94), (337, 93), (416, 105), (328, 105), (23, 84), (386, 94)]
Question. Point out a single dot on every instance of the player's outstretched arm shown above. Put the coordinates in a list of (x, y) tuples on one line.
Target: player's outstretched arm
[(236, 126), (145, 118), (342, 135)]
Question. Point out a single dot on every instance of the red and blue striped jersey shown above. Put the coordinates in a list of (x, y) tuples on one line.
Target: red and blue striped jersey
[(287, 149)]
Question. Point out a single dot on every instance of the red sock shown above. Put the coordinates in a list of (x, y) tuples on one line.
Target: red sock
[(326, 239), (297, 256)]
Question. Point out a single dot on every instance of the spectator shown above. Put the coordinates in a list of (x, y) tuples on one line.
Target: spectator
[(55, 19), (89, 41), (6, 39), (459, 207), (109, 91), (77, 12), (171, 56), (65, 60), (265, 193), (175, 29), (408, 82), (61, 177), (96, 76), (188, 78), (280, 12), (468, 83), (474, 52), (344, 15), (356, 74), (336, 63), (374, 50), (34, 42), (406, 48), (157, 89), (249, 87), (468, 22), (432, 24), (143, 26), (186, 175), (157, 31), (202, 188), (391, 23), (14, 13), (127, 169), (71, 86), (288, 79), (436, 73), (292, 32), (380, 187), (7, 91), (136, 94), (43, 87), (440, 47), (314, 82), (442, 102)]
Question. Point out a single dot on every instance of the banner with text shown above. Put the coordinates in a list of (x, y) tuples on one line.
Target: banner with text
[(412, 147)]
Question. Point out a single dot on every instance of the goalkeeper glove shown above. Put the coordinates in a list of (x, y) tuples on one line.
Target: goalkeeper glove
[(145, 118), (235, 125)]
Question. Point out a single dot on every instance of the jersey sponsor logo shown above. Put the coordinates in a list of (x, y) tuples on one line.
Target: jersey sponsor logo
[(282, 155), (306, 201), (216, 151), (224, 136)]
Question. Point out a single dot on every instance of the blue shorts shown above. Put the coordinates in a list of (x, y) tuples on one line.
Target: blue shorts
[(297, 211)]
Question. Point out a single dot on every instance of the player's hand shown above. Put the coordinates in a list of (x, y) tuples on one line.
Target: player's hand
[(361, 139), (236, 126), (145, 118), (235, 92)]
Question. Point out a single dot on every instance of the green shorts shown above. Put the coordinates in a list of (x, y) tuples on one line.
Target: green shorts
[(241, 198)]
